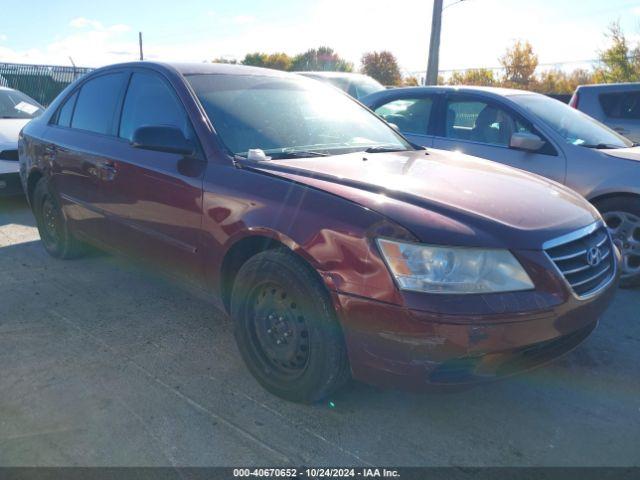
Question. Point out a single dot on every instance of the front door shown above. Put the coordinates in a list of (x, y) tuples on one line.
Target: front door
[(483, 128), (156, 197)]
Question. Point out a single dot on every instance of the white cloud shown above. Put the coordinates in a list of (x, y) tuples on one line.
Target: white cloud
[(3, 37), (81, 22), (243, 19)]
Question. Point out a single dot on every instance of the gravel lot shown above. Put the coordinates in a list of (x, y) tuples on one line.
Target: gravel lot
[(103, 364)]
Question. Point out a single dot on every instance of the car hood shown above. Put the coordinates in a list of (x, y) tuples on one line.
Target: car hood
[(447, 196), (632, 153), (9, 131)]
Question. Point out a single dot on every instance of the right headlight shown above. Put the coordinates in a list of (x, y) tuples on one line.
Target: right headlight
[(459, 270)]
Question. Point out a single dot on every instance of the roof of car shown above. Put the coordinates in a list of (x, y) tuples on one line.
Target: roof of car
[(321, 73), (466, 88), (610, 86), (205, 68)]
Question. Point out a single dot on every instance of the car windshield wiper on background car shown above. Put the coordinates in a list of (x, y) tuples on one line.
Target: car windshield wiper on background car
[(601, 146)]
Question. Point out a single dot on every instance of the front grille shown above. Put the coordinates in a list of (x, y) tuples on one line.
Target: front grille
[(587, 261), (9, 155)]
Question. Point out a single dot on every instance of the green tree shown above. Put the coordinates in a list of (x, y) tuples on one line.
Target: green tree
[(231, 61), (620, 62), (383, 66), (520, 63), (323, 58), (476, 76)]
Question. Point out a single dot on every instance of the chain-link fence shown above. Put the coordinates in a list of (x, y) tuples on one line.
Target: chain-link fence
[(41, 82)]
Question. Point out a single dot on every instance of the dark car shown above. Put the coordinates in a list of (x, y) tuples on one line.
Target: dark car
[(337, 247)]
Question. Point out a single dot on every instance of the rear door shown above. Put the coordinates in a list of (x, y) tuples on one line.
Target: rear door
[(482, 127), (622, 112), (411, 115), (80, 140), (155, 198)]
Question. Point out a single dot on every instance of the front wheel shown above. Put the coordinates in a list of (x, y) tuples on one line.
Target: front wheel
[(286, 328), (622, 215)]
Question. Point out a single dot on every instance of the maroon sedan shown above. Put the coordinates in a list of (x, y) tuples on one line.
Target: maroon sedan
[(338, 248)]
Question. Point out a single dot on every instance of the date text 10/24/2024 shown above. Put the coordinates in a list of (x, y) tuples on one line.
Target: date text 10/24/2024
[(315, 473)]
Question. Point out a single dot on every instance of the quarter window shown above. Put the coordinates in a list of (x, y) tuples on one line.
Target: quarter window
[(65, 112), (98, 103), (623, 105), (150, 101), (410, 115), (481, 122)]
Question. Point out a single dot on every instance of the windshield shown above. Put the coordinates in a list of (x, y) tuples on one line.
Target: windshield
[(14, 104), (574, 126), (283, 115)]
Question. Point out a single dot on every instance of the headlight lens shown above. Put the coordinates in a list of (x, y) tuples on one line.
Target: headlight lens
[(435, 269)]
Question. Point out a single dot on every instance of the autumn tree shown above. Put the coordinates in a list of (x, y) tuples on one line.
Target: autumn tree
[(383, 66), (322, 58), (519, 63), (620, 62), (277, 61), (476, 76), (411, 81)]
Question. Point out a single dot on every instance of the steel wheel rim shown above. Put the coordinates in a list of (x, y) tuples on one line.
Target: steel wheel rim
[(50, 223), (279, 331), (625, 232)]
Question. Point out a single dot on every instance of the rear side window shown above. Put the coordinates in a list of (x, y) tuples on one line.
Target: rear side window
[(410, 115), (151, 101), (98, 103), (625, 105), (66, 111)]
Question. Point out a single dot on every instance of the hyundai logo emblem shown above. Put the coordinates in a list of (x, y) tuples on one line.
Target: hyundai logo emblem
[(593, 256)]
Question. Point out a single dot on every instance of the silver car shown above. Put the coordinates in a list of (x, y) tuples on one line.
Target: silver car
[(355, 84), (617, 105), (16, 109), (534, 133)]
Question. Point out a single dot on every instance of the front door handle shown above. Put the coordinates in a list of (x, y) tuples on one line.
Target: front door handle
[(50, 149), (108, 171)]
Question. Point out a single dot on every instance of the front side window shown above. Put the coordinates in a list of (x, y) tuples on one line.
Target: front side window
[(572, 125), (151, 102), (482, 122), (410, 115), (284, 115), (622, 105), (98, 103), (14, 104)]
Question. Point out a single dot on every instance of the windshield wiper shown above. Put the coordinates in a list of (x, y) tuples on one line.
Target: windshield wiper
[(384, 149), (601, 146), (296, 154)]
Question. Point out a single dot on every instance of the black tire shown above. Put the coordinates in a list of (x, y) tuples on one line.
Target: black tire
[(58, 241), (622, 215), (276, 293)]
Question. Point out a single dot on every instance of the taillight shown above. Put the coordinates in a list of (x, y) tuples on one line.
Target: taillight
[(574, 100)]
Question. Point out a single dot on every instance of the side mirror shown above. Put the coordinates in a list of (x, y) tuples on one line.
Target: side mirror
[(526, 141), (394, 126), (162, 139)]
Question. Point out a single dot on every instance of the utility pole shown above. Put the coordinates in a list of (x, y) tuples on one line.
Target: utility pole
[(140, 43), (434, 44)]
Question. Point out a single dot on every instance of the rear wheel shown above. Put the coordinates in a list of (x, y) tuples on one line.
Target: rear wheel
[(54, 232), (286, 328), (622, 215)]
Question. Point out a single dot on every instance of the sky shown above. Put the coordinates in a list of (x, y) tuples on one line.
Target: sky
[(475, 33)]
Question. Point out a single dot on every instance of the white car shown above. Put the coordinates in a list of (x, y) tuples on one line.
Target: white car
[(16, 110)]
